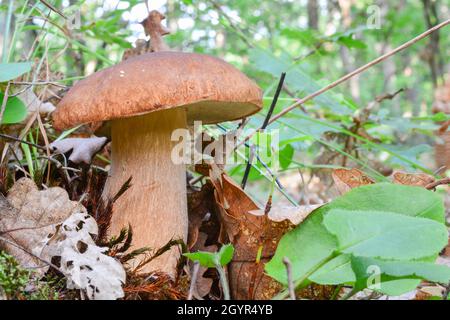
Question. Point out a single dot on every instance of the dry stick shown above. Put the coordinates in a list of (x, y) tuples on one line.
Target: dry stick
[(263, 127), (5, 136), (274, 101), (40, 83), (291, 289), (350, 75), (436, 183), (193, 286), (52, 8)]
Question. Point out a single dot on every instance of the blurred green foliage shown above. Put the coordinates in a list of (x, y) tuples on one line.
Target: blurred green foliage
[(265, 38)]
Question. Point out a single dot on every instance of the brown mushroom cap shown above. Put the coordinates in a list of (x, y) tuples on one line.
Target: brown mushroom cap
[(210, 89)]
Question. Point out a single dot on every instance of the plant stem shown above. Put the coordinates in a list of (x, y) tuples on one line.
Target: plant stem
[(223, 281), (291, 288), (336, 292), (194, 276)]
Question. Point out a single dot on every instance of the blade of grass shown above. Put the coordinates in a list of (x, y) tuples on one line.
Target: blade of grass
[(7, 30)]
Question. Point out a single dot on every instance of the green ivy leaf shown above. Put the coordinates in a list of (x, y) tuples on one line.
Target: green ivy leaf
[(10, 71), (15, 110)]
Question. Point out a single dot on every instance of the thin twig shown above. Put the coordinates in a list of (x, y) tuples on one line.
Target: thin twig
[(52, 8), (274, 101), (40, 83), (291, 289), (350, 75), (5, 136), (193, 285), (434, 184)]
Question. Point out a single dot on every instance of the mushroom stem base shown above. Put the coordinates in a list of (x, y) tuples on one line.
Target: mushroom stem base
[(155, 205)]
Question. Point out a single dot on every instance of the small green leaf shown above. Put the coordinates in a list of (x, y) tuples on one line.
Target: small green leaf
[(206, 259), (212, 259), (10, 71), (286, 154), (385, 235), (440, 116), (225, 254), (350, 42), (15, 110)]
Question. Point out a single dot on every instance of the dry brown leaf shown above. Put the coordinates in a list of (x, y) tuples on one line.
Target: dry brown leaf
[(28, 216), (426, 292), (248, 233), (346, 179), (412, 179), (199, 205), (295, 215)]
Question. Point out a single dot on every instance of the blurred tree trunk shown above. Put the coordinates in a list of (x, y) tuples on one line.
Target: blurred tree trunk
[(313, 14), (433, 56), (347, 60), (77, 67), (389, 67), (171, 16)]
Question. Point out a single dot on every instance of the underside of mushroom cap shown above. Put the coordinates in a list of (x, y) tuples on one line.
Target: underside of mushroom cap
[(210, 89)]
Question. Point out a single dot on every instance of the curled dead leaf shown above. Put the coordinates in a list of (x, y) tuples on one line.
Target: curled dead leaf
[(295, 215), (347, 179), (251, 235), (412, 179)]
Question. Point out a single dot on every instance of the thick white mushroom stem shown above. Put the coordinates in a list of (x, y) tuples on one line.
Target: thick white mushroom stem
[(155, 205)]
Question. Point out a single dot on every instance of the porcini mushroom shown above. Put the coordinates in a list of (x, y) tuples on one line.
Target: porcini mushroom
[(146, 98)]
